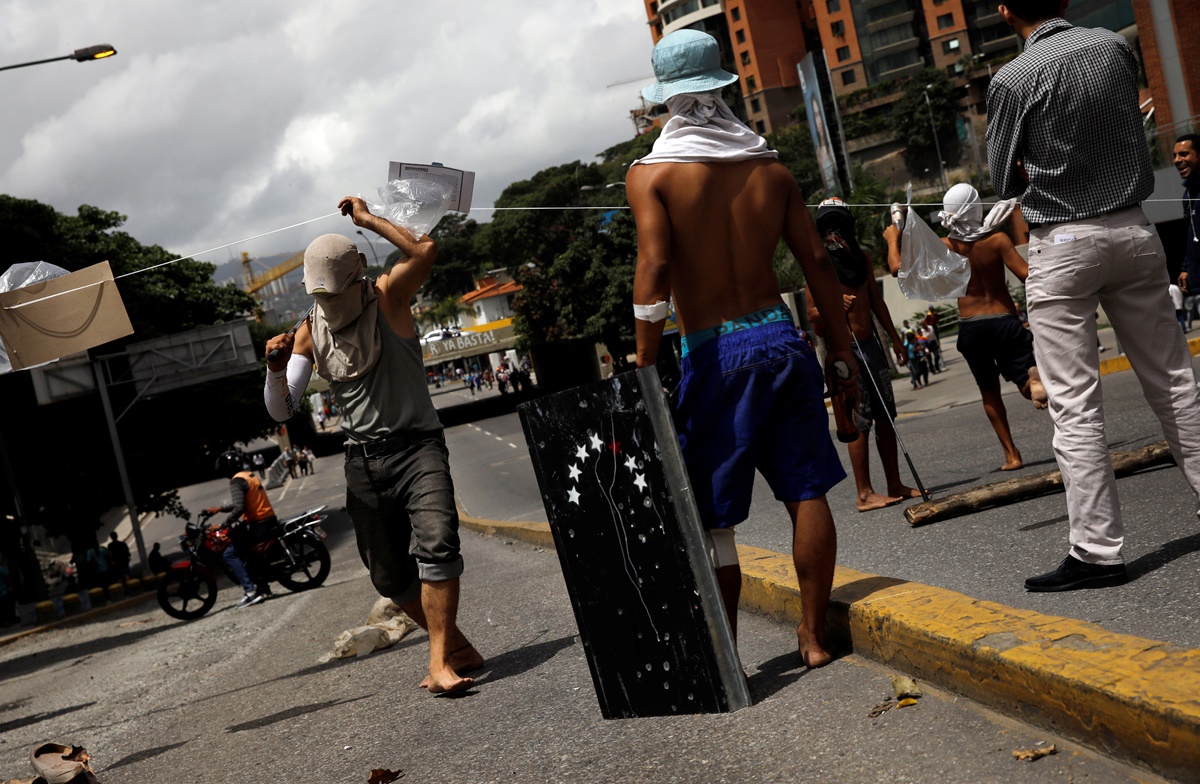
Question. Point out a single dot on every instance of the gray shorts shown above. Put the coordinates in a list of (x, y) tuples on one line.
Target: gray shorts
[(401, 498), (873, 399)]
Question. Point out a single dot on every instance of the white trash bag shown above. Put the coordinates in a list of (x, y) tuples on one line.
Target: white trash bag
[(18, 276), (415, 204), (928, 269)]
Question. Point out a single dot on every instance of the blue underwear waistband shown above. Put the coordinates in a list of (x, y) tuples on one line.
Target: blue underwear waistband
[(771, 315)]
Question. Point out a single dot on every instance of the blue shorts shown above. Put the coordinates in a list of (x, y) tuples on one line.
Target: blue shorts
[(754, 399)]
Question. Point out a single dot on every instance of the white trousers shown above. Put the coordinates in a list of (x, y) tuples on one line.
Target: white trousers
[(1117, 261)]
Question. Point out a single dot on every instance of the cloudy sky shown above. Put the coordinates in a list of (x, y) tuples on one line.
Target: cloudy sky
[(222, 119)]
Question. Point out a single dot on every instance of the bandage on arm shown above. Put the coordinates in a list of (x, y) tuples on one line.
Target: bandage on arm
[(652, 313), (284, 388)]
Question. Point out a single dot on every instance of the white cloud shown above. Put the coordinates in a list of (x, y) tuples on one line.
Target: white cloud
[(221, 120)]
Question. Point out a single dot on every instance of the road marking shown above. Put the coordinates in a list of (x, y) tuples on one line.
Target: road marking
[(514, 446), (498, 438)]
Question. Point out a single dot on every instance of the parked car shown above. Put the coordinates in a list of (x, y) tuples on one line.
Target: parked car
[(440, 334)]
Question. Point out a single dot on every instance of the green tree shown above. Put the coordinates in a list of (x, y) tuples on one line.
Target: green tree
[(911, 116), (167, 438), (586, 291), (447, 311), (795, 146)]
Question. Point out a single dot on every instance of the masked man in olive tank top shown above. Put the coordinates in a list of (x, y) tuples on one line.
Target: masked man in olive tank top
[(360, 337)]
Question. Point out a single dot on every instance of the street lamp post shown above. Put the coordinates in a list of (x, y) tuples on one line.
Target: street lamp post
[(936, 145), (370, 244), (98, 52)]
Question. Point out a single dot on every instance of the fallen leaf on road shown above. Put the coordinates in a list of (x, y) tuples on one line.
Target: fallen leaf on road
[(904, 686), (1032, 754), (383, 776), (904, 703), (881, 709)]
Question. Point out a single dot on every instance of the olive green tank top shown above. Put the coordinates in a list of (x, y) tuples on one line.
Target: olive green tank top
[(393, 397)]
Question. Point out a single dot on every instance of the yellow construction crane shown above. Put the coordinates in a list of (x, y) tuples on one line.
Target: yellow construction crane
[(256, 282)]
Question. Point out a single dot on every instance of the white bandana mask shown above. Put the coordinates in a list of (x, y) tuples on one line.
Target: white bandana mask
[(703, 128), (962, 214), (345, 332)]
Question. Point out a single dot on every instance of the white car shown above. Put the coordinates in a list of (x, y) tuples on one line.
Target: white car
[(440, 334)]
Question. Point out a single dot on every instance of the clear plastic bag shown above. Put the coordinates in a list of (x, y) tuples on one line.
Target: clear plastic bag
[(415, 204), (928, 269), (18, 276)]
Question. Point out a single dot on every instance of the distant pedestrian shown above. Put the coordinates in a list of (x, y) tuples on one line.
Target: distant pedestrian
[(260, 465), (310, 459), (157, 561), (96, 567), (1177, 301), (8, 602), (119, 557), (289, 460)]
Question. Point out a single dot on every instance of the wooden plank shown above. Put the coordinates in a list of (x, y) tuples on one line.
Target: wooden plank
[(1024, 487)]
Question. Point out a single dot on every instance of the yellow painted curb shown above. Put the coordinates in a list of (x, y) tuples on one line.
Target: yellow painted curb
[(530, 533), (1121, 363), (1130, 697), (1134, 698)]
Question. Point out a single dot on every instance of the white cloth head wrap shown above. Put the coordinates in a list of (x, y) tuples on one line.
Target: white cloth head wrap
[(702, 128), (345, 332), (962, 214)]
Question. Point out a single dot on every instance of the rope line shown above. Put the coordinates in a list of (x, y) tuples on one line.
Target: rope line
[(473, 209)]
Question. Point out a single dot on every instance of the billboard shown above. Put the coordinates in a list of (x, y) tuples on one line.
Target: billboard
[(814, 111)]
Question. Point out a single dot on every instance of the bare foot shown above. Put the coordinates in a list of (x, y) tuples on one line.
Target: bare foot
[(812, 650), (1012, 464), (873, 500), (905, 492), (1037, 392), (464, 659), (447, 681)]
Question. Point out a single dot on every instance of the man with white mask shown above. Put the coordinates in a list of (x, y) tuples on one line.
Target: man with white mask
[(711, 202), (991, 336), (361, 338)]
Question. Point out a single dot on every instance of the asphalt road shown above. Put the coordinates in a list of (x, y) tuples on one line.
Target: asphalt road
[(986, 555), (241, 696)]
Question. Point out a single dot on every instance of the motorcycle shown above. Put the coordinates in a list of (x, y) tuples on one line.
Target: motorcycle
[(293, 554)]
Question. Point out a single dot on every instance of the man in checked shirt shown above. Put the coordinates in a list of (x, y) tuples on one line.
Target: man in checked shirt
[(1064, 133)]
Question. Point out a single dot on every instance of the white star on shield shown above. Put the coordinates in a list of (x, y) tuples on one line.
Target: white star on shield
[(575, 473), (630, 463), (596, 442), (640, 481), (573, 496), (581, 452)]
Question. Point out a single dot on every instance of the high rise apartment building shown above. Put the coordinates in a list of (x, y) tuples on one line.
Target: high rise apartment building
[(870, 42)]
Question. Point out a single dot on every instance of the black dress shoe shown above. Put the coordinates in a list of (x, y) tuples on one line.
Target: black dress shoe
[(1073, 573)]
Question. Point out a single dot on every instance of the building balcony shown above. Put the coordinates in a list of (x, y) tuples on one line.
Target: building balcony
[(985, 20), (896, 48), (902, 71), (905, 17), (1005, 44), (870, 141)]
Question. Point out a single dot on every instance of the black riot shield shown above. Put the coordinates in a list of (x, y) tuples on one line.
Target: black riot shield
[(632, 549)]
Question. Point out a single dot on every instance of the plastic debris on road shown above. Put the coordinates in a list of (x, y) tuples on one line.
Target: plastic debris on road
[(386, 625)]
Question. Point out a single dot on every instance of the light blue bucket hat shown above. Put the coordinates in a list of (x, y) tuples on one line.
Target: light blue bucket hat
[(686, 61)]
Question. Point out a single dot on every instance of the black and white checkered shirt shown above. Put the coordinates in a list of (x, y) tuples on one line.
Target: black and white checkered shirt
[(1068, 107)]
